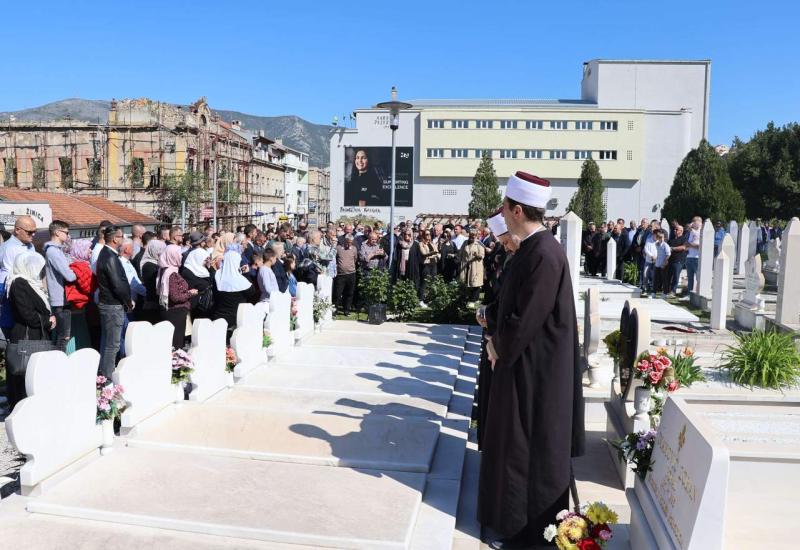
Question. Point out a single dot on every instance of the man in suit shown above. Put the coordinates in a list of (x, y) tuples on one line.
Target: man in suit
[(115, 298)]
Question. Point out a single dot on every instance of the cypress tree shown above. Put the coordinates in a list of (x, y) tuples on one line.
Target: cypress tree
[(703, 187), (486, 196), (587, 202)]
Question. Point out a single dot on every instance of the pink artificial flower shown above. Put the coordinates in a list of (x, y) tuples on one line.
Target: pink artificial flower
[(664, 360), (674, 385), (655, 377), (108, 393), (101, 379), (643, 365), (658, 366), (605, 535), (120, 389)]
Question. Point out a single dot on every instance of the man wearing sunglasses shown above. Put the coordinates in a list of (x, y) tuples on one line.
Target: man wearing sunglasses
[(20, 241)]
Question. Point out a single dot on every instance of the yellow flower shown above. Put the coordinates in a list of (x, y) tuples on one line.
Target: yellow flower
[(661, 351), (573, 529), (600, 513), (563, 543), (688, 352)]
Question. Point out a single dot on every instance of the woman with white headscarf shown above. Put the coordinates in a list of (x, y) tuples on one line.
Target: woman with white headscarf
[(150, 268), (33, 319), (198, 276), (231, 288)]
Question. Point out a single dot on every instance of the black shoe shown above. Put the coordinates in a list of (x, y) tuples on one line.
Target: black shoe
[(511, 543)]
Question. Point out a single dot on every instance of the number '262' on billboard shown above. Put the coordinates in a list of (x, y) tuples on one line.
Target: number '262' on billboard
[(368, 176)]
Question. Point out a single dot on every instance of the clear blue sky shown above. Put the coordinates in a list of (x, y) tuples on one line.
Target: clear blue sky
[(325, 58)]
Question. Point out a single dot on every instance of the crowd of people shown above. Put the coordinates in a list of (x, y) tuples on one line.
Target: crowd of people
[(660, 256)]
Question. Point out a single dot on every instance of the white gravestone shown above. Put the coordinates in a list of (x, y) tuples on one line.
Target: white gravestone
[(146, 371), (754, 284), (741, 248), (571, 226), (681, 503), (706, 261), (56, 424), (325, 293), (591, 322), (733, 231), (208, 356), (752, 243), (305, 309), (729, 248), (248, 339), (611, 259), (788, 311), (773, 255), (277, 324), (719, 305)]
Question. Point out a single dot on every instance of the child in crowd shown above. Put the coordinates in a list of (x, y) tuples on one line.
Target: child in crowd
[(661, 264), (267, 283)]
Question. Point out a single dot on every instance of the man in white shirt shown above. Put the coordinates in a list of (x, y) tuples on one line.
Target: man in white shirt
[(458, 236), (663, 253), (693, 255)]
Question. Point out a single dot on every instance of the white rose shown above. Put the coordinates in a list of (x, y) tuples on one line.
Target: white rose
[(562, 515)]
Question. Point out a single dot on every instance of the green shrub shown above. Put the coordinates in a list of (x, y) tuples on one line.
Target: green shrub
[(403, 300), (686, 372), (447, 302), (630, 273), (763, 359), (374, 287)]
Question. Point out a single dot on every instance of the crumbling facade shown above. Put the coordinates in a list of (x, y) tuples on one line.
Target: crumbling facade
[(141, 156)]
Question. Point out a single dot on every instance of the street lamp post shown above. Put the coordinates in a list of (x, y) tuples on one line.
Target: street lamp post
[(394, 107)]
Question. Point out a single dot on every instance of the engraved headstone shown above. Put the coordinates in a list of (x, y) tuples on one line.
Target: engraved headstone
[(719, 305), (788, 311), (773, 255), (611, 259), (571, 226), (754, 283), (706, 262), (752, 243), (733, 231), (681, 503), (634, 327), (742, 248)]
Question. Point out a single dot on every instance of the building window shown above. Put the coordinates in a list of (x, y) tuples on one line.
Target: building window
[(459, 153), (435, 123), (435, 153), (630, 125), (136, 172), (155, 178), (449, 192), (583, 124), (508, 124), (533, 154), (534, 124), (479, 153), (93, 171), (508, 153), (484, 123), (629, 155), (558, 155), (608, 155), (10, 172), (39, 173), (65, 165), (610, 125), (460, 124), (583, 155), (558, 124)]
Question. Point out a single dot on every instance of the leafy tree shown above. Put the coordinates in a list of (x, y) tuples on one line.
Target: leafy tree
[(189, 186), (486, 196), (587, 202), (703, 187), (766, 170)]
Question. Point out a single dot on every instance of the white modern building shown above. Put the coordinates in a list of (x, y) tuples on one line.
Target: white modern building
[(637, 119)]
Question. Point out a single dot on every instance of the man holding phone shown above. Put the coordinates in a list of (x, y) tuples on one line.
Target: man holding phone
[(372, 256)]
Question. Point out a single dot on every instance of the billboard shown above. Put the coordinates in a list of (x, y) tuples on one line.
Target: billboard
[(368, 176)]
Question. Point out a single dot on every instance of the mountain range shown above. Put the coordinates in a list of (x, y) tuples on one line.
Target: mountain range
[(295, 132)]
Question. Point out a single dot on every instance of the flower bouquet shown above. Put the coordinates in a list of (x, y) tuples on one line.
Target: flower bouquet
[(230, 359), (182, 366), (588, 530), (613, 342), (110, 402), (656, 372), (321, 308), (636, 450)]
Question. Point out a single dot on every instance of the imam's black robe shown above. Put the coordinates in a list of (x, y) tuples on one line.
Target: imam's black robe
[(535, 418)]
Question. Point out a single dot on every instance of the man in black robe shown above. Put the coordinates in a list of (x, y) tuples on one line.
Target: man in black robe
[(535, 421)]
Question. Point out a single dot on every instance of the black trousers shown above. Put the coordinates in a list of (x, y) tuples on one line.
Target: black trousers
[(344, 289), (176, 316)]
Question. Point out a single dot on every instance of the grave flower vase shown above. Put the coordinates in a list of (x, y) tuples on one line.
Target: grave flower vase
[(107, 440)]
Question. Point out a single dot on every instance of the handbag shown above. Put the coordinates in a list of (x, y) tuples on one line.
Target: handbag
[(205, 300), (18, 354)]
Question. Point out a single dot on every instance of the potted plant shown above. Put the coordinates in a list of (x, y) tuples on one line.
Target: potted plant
[(374, 288), (764, 359), (182, 366), (110, 405)]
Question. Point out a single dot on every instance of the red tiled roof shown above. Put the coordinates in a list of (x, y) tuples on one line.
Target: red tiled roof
[(79, 210)]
